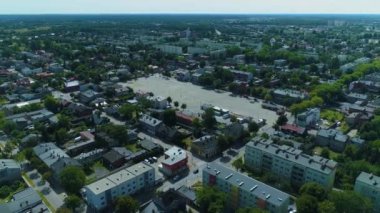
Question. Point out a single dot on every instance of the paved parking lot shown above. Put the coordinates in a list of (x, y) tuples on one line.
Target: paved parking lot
[(194, 96)]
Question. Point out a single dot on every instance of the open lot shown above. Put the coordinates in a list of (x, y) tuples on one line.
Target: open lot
[(194, 96)]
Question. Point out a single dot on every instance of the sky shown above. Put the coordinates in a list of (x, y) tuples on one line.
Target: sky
[(189, 6)]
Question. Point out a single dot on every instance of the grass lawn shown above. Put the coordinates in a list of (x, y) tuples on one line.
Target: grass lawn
[(332, 115), (317, 151), (132, 147), (27, 178)]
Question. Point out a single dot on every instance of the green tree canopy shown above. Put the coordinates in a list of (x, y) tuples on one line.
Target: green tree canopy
[(307, 204), (209, 120), (126, 204), (350, 202), (170, 117), (211, 199), (315, 190), (72, 179), (72, 202)]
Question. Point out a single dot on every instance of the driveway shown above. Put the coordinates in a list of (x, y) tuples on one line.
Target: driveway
[(54, 199)]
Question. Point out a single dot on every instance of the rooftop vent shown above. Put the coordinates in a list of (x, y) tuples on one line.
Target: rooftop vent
[(253, 188), (267, 197), (241, 183), (228, 176)]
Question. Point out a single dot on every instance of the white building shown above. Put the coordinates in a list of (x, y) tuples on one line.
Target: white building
[(127, 181), (289, 164), (158, 102), (368, 185), (308, 118)]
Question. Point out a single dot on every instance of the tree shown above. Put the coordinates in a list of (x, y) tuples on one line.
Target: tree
[(326, 207), (315, 190), (176, 104), (170, 117), (72, 179), (127, 111), (63, 210), (325, 153), (238, 163), (282, 120), (253, 126), (126, 204), (47, 175), (307, 204), (209, 120), (210, 199), (183, 106), (169, 99), (51, 103), (61, 135), (350, 202), (251, 210), (72, 202)]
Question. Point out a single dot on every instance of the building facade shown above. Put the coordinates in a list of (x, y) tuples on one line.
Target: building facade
[(368, 185), (10, 170), (289, 163), (243, 191), (205, 147), (308, 118), (175, 161), (127, 181)]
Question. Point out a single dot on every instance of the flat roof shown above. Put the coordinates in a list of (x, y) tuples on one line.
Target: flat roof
[(317, 163), (101, 185), (259, 189), (121, 177), (139, 168), (369, 179)]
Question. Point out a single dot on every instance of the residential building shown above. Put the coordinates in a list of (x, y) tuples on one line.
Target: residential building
[(26, 200), (287, 96), (354, 97), (332, 138), (88, 96), (293, 129), (54, 158), (149, 124), (10, 170), (368, 185), (205, 147), (308, 118), (242, 76), (126, 181), (288, 163), (243, 191), (116, 157), (234, 130), (150, 146), (175, 161), (158, 102), (71, 86), (170, 49), (167, 202)]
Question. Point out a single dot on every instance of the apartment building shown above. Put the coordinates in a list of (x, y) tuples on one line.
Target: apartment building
[(10, 170), (368, 185), (243, 191), (308, 118), (289, 163), (126, 181)]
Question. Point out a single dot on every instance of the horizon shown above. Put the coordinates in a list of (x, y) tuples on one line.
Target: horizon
[(42, 7)]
